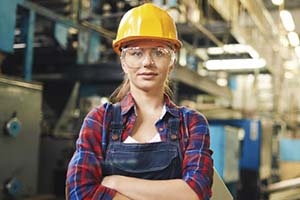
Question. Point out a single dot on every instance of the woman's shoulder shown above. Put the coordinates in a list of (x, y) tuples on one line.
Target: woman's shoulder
[(99, 111), (184, 110), (191, 114), (190, 111)]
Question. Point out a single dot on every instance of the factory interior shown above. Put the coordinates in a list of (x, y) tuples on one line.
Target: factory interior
[(239, 66)]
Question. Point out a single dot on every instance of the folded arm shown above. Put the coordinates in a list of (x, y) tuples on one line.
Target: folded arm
[(141, 189)]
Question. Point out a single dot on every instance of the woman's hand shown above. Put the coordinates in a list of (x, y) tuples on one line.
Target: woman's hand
[(110, 182), (136, 188)]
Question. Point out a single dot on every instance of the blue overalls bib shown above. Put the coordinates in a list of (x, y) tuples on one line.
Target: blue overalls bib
[(155, 161)]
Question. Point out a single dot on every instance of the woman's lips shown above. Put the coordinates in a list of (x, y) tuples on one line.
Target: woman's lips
[(148, 74)]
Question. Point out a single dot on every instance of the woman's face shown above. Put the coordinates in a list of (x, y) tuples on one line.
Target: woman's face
[(147, 64)]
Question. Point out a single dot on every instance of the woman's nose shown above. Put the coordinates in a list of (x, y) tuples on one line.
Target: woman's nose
[(148, 60)]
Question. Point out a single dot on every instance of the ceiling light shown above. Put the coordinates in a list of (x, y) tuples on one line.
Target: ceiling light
[(19, 46), (235, 64), (182, 56), (222, 82), (287, 20), (290, 65), (233, 49), (201, 53), (215, 50), (293, 38), (288, 75), (277, 2)]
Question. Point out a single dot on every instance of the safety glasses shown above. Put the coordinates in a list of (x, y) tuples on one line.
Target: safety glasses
[(136, 57)]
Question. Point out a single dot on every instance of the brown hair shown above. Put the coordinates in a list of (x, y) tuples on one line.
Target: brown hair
[(124, 88)]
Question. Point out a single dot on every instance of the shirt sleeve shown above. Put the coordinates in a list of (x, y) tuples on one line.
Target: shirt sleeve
[(84, 173), (197, 161)]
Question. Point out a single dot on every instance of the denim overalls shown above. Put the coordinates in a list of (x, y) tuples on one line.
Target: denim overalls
[(155, 161)]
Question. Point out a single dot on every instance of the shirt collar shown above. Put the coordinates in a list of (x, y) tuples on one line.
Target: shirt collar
[(127, 103), (171, 107)]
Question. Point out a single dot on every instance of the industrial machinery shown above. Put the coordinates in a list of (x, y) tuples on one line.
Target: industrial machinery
[(20, 117), (225, 142), (250, 157)]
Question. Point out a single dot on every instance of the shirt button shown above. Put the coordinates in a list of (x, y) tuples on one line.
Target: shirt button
[(160, 129)]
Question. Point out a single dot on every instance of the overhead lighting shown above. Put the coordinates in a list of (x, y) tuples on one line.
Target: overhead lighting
[(222, 82), (201, 53), (23, 45), (73, 31), (19, 46), (233, 49), (215, 50), (293, 38), (277, 2), (287, 20), (290, 65), (235, 64), (288, 75)]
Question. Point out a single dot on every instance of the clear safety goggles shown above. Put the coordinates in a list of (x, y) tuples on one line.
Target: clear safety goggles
[(136, 57)]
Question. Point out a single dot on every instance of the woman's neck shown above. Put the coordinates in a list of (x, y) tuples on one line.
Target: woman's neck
[(149, 100)]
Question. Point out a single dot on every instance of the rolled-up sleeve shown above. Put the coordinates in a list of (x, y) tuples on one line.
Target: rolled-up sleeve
[(84, 173), (197, 161)]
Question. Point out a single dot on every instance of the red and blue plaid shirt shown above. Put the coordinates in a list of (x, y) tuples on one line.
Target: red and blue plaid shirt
[(84, 174)]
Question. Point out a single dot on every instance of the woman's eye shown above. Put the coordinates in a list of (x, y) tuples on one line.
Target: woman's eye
[(159, 53), (136, 53)]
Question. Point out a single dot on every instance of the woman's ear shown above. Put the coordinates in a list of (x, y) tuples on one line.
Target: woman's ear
[(123, 65), (172, 66)]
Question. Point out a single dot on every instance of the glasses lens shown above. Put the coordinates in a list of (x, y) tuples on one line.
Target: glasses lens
[(135, 56)]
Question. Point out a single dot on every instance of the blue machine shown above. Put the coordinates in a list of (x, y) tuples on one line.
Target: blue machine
[(225, 143), (251, 144), (289, 149), (247, 187), (7, 20)]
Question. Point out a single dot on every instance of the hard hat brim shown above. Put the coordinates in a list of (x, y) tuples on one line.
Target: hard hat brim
[(118, 45)]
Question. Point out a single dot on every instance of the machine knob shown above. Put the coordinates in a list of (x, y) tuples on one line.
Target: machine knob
[(13, 127), (13, 187)]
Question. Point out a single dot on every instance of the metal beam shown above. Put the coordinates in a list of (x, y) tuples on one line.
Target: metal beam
[(82, 25), (29, 40), (208, 34), (284, 185), (260, 32), (261, 17), (199, 82)]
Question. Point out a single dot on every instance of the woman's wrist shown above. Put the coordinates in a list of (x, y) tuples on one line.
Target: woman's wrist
[(120, 196), (111, 181)]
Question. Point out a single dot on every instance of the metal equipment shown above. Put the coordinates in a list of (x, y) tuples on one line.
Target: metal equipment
[(249, 162), (286, 189), (20, 117), (225, 143), (219, 189)]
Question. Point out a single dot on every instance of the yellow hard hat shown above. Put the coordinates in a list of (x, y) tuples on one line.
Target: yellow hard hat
[(146, 22)]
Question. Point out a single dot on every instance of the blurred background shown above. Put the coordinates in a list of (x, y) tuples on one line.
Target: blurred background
[(239, 66)]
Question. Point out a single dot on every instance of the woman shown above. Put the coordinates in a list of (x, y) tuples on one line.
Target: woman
[(162, 151)]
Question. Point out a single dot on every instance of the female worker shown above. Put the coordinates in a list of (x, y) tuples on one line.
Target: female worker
[(160, 151)]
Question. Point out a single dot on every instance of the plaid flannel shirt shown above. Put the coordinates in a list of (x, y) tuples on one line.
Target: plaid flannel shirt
[(84, 174)]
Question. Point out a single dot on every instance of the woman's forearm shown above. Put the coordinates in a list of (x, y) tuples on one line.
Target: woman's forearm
[(141, 189), (120, 196)]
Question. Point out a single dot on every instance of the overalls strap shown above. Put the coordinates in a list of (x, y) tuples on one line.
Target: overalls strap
[(173, 129), (116, 123), (173, 133)]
